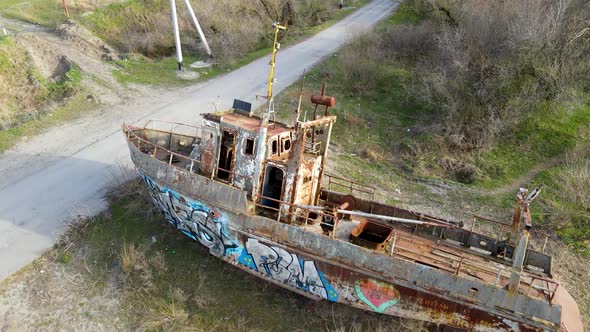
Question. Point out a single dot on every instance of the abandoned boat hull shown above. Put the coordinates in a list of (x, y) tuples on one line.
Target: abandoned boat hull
[(320, 267)]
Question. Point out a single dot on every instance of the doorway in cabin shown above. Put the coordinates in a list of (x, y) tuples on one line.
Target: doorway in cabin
[(226, 156), (272, 186)]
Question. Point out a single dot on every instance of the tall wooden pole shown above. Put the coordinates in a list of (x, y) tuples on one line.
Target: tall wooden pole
[(65, 5)]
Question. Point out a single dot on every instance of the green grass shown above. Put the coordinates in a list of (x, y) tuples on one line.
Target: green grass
[(546, 134), (44, 12), (564, 201), (186, 288), (162, 71), (142, 70), (73, 109), (406, 14), (48, 13), (34, 94), (67, 91)]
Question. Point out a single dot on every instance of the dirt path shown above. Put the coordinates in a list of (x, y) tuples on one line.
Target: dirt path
[(527, 178), (15, 26), (54, 51), (66, 171)]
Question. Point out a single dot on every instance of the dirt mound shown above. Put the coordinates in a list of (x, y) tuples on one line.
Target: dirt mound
[(50, 63), (87, 42)]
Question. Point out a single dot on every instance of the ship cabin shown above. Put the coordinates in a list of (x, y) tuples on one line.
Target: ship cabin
[(278, 166)]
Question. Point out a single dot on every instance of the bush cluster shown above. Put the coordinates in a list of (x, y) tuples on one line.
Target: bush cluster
[(489, 64), (232, 28)]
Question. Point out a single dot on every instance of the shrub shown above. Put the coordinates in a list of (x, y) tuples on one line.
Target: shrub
[(492, 62), (232, 28)]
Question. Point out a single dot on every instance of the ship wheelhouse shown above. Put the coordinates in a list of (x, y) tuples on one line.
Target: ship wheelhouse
[(277, 166)]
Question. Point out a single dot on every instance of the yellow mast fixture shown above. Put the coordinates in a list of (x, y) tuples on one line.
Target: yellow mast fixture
[(275, 47)]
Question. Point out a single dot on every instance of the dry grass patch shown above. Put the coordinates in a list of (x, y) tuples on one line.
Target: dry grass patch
[(166, 314)]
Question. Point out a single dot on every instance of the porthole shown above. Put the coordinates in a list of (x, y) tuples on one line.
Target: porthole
[(286, 144)]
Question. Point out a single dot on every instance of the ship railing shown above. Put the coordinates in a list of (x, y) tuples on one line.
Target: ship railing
[(174, 127), (527, 284), (506, 226), (547, 286), (301, 214), (152, 149), (177, 159), (339, 184)]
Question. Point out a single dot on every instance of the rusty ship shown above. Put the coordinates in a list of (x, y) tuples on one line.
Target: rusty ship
[(255, 193)]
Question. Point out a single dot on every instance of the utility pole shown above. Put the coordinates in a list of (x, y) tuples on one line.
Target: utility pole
[(198, 26), (176, 34)]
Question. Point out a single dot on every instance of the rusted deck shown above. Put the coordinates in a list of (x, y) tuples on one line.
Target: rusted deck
[(250, 123), (452, 258)]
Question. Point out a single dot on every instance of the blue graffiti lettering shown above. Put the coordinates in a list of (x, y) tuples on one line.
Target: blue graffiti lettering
[(283, 266), (194, 219)]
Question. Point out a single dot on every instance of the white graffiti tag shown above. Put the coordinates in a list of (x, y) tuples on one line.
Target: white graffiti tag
[(288, 268), (195, 219)]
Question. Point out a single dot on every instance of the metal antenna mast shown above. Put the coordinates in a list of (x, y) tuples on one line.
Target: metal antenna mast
[(275, 47), (261, 141)]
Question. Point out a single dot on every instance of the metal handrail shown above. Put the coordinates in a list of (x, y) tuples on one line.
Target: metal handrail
[(506, 225), (172, 128), (296, 207), (170, 122), (351, 185), (133, 136)]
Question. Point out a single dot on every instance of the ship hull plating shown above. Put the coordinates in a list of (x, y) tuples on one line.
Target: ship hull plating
[(219, 217)]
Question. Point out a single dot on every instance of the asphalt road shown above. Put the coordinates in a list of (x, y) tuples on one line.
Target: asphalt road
[(51, 178)]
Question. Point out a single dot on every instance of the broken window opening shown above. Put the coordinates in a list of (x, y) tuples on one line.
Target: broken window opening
[(226, 156), (273, 186), (275, 147), (249, 147)]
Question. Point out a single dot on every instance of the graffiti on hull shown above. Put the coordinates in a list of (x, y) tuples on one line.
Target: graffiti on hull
[(280, 265), (209, 226), (195, 219), (376, 294)]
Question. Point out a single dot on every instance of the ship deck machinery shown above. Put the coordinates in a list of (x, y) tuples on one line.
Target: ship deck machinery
[(256, 195)]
